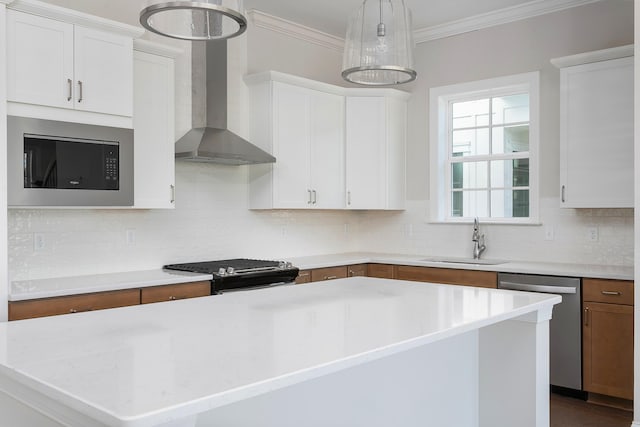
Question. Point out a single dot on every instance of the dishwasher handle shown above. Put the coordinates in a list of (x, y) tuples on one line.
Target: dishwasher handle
[(537, 288)]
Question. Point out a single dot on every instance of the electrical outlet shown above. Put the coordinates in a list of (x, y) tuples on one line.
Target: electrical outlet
[(409, 230), (592, 234), (549, 233), (38, 242), (131, 237), (346, 229)]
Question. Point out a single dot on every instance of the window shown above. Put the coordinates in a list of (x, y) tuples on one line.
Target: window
[(484, 145)]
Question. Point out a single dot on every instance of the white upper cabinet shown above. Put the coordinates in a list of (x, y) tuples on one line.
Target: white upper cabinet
[(40, 60), (328, 156), (375, 160), (52, 63), (103, 65), (596, 129), (304, 129), (154, 126)]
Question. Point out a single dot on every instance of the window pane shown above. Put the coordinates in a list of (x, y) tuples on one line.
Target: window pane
[(510, 173), (470, 114), (470, 142), (510, 139), (469, 204), (510, 109), (509, 203), (469, 175)]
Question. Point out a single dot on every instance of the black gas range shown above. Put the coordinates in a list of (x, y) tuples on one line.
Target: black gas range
[(241, 273)]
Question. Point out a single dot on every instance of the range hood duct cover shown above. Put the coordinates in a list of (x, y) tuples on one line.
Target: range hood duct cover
[(209, 140)]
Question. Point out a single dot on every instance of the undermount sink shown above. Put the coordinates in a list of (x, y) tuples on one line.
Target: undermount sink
[(452, 260)]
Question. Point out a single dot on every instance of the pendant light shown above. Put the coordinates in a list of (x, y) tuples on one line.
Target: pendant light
[(379, 44), (193, 20)]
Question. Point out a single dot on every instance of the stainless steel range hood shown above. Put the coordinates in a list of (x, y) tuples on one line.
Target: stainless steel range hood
[(209, 140)]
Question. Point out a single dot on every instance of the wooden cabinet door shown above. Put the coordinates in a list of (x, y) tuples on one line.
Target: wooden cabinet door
[(383, 271), (357, 270), (484, 279), (304, 276), (329, 273), (291, 147), (19, 310), (153, 126), (365, 147), (103, 68), (39, 60), (608, 349), (326, 137), (175, 292), (596, 105)]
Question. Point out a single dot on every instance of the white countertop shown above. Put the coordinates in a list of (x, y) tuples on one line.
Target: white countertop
[(59, 286), (144, 365), (525, 267)]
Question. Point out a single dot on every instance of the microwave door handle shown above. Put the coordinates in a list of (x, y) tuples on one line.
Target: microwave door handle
[(28, 169)]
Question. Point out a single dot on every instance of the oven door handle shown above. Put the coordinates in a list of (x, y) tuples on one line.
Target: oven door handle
[(537, 288), (251, 288)]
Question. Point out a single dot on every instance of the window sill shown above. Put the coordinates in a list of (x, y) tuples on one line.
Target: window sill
[(483, 222)]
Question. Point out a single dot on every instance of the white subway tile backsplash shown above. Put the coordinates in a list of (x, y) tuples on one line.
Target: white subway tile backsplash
[(211, 221)]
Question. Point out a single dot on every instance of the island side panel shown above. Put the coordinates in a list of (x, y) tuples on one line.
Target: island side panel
[(514, 372), (435, 384)]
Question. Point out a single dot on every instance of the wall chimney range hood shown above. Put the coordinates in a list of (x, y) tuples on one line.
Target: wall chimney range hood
[(209, 140)]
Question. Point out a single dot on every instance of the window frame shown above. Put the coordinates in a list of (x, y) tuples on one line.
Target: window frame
[(440, 101)]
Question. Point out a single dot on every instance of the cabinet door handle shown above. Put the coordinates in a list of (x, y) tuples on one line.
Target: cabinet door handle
[(586, 316), (330, 277), (349, 198), (562, 195), (80, 90), (173, 193), (70, 84), (315, 196), (616, 293), (308, 197)]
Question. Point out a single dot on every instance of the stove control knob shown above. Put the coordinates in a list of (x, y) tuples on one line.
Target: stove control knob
[(230, 270), (289, 265), (282, 265), (222, 271)]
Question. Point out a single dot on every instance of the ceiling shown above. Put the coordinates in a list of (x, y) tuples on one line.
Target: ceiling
[(330, 16)]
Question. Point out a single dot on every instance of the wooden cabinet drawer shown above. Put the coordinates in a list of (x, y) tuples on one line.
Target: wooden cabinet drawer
[(484, 279), (608, 291), (357, 270), (383, 271), (328, 273), (72, 304), (175, 292), (304, 276)]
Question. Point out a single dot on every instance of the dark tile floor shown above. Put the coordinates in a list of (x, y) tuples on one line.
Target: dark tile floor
[(570, 412)]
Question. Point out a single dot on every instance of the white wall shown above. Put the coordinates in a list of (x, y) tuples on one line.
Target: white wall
[(211, 219), (517, 47)]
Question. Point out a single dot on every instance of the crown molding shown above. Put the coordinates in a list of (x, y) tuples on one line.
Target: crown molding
[(498, 17), (292, 29), (595, 56), (485, 20), (71, 16), (156, 48)]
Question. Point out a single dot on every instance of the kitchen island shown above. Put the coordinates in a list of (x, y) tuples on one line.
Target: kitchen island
[(350, 352)]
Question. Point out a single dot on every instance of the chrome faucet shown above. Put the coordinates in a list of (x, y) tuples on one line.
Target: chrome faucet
[(478, 240)]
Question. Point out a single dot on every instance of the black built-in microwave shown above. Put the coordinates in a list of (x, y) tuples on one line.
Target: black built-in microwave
[(53, 163)]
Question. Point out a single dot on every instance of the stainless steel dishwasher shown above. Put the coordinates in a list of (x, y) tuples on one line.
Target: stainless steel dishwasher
[(565, 327)]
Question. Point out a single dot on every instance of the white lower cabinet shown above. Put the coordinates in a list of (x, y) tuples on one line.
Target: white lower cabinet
[(376, 145), (596, 130), (153, 122), (327, 156)]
